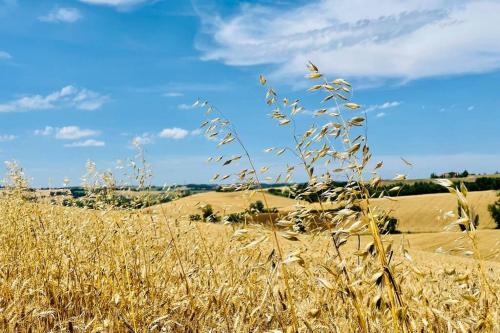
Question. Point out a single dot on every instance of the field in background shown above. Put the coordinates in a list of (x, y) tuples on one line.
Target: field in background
[(469, 178), (421, 216), (416, 213)]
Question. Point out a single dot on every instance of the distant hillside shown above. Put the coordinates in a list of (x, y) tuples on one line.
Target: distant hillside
[(399, 188), (468, 179)]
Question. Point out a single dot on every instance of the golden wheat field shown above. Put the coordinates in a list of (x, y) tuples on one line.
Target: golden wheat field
[(426, 213), (416, 213), (422, 217), (78, 270)]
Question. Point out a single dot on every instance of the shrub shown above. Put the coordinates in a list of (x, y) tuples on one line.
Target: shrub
[(195, 217), (494, 210), (234, 218), (474, 218), (77, 192), (208, 214), (257, 207), (390, 226)]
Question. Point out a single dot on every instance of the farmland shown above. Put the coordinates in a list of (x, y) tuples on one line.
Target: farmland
[(422, 218), (85, 270)]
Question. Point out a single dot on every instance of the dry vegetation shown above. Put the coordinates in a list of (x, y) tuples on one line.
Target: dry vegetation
[(428, 213), (222, 202), (106, 270), (68, 269), (416, 213), (423, 218)]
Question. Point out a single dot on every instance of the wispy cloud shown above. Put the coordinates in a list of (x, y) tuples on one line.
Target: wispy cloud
[(358, 38), (144, 139), (74, 133), (47, 131), (7, 137), (174, 133), (380, 115), (86, 143), (383, 106), (167, 133), (62, 14), (66, 132), (4, 55), (470, 108), (68, 96)]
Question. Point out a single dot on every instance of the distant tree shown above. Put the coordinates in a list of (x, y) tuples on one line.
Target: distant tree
[(434, 175), (494, 209), (465, 173)]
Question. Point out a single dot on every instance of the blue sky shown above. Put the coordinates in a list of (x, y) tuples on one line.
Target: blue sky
[(81, 79)]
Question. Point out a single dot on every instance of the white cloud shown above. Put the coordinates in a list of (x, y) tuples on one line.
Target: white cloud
[(167, 133), (89, 100), (386, 105), (7, 137), (174, 133), (173, 94), (68, 96), (120, 4), (66, 15), (71, 133), (470, 108), (74, 132), (4, 55), (380, 115), (363, 39), (144, 139), (47, 131), (86, 143)]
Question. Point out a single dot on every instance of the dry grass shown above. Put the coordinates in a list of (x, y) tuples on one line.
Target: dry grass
[(449, 242), (67, 269), (416, 213), (426, 213), (222, 202), (422, 216)]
